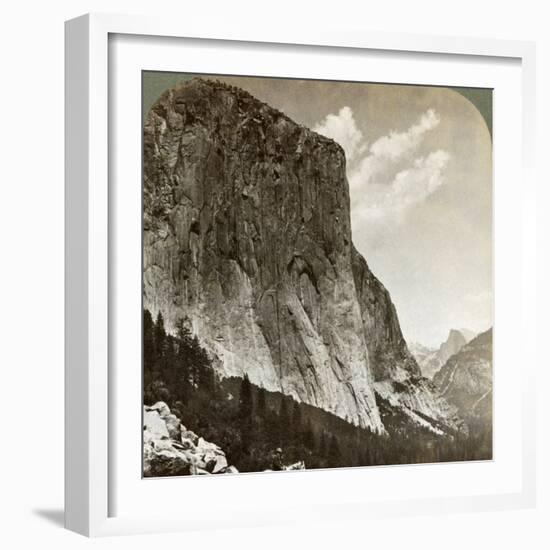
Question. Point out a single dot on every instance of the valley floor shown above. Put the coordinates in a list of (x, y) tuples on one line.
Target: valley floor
[(260, 430)]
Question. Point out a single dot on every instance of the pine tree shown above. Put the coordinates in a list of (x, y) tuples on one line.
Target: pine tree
[(297, 424), (245, 399), (309, 437), (208, 381), (261, 406), (172, 362), (322, 445), (273, 428), (284, 422), (245, 413), (183, 358), (148, 342), (184, 335), (198, 361), (334, 457), (160, 335)]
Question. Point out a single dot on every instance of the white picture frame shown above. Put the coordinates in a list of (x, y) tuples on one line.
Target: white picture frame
[(90, 219)]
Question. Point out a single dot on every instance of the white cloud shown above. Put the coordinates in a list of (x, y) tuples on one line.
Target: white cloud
[(386, 178), (342, 128), (387, 151), (389, 179), (397, 144), (410, 186)]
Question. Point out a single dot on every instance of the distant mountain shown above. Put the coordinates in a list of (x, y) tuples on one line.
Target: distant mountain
[(468, 334), (420, 352), (454, 343), (466, 380), (431, 360)]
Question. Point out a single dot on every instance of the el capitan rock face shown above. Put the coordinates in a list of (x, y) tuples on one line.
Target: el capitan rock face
[(247, 233)]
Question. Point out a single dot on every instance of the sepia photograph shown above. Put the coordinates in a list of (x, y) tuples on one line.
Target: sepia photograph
[(317, 274)]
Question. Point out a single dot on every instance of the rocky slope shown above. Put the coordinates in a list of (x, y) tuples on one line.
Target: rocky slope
[(430, 361), (466, 379), (169, 449), (247, 233)]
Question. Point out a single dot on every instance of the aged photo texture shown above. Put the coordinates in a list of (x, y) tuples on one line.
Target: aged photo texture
[(317, 274)]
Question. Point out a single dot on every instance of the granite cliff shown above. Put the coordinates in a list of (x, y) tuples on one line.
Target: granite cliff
[(247, 235)]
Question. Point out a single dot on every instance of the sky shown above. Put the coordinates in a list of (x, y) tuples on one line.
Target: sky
[(419, 167)]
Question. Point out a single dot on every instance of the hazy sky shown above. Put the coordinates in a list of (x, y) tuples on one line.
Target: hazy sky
[(419, 165)]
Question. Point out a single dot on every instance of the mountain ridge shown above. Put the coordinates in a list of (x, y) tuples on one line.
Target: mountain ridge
[(431, 360), (466, 380)]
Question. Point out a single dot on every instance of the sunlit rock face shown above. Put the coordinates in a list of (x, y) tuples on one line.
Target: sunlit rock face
[(247, 233), (398, 378)]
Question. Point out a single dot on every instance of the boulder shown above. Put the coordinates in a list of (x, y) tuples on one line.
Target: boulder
[(169, 449), (161, 407), (172, 422), (296, 466), (189, 436), (154, 426)]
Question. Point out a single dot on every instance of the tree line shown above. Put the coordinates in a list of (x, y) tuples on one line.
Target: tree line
[(260, 430)]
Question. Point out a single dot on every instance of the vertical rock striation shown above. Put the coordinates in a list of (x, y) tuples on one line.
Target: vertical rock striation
[(247, 233)]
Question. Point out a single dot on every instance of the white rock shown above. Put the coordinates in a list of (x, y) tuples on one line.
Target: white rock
[(296, 466), (161, 407), (154, 426), (190, 436), (221, 464), (170, 450)]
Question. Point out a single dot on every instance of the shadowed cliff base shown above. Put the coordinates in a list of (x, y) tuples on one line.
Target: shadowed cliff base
[(257, 430)]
